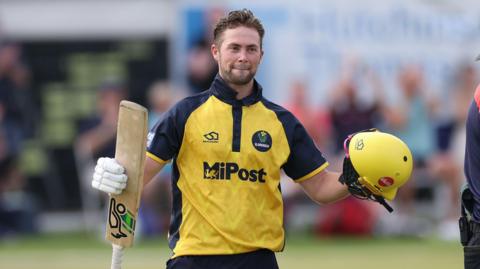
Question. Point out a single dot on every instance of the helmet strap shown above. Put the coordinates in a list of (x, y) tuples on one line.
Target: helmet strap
[(350, 178), (382, 201)]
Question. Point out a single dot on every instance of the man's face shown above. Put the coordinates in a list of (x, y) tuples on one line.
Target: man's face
[(238, 54)]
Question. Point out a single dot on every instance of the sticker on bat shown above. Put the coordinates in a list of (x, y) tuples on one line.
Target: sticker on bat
[(121, 219)]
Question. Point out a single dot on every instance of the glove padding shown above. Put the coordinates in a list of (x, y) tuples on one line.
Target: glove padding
[(109, 176), (350, 177)]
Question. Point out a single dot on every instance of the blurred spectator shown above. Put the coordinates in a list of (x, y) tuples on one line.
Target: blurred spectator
[(299, 106), (349, 114), (316, 121), (17, 206), (14, 110), (17, 210), (317, 124), (156, 199), (97, 134), (160, 98), (412, 115), (412, 119), (447, 165), (96, 138), (201, 66)]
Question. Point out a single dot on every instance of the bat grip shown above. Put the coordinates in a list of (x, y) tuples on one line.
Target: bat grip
[(117, 256)]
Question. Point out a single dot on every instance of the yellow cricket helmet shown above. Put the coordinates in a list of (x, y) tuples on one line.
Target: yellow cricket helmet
[(383, 161)]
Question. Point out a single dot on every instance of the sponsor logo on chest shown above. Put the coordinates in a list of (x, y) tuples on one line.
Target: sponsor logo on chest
[(231, 170)]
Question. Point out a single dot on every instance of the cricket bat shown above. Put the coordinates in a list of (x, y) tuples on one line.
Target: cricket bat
[(130, 153)]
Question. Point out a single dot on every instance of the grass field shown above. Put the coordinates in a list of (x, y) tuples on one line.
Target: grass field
[(81, 251)]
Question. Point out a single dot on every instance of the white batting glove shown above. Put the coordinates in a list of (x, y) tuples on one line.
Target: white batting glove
[(109, 176)]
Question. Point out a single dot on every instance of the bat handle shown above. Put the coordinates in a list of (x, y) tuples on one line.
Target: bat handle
[(117, 256)]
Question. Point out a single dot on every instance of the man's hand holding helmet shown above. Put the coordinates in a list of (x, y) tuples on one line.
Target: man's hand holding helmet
[(376, 164)]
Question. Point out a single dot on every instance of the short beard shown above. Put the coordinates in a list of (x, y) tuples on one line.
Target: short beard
[(236, 80)]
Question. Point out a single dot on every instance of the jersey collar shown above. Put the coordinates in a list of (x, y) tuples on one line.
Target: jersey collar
[(223, 92)]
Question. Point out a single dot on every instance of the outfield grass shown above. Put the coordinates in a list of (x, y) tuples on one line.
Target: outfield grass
[(82, 251)]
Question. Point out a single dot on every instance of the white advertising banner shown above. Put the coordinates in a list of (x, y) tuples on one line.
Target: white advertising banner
[(312, 40)]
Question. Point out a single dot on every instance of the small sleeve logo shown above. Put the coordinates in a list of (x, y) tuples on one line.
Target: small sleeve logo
[(150, 138)]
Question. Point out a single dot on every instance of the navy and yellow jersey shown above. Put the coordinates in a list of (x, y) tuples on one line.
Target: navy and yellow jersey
[(227, 155)]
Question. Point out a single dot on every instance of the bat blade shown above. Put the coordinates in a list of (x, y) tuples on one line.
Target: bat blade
[(130, 153)]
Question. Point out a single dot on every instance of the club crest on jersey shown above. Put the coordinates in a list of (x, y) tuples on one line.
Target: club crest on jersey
[(120, 219), (262, 141)]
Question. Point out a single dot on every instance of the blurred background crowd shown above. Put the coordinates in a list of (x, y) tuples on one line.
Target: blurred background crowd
[(405, 67)]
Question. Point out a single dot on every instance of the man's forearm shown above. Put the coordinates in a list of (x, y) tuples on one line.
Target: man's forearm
[(324, 187)]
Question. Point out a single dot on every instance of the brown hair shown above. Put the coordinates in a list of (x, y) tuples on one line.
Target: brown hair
[(236, 18)]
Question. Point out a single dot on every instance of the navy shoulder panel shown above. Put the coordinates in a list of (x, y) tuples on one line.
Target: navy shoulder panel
[(166, 136), (304, 155), (182, 110), (288, 120)]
